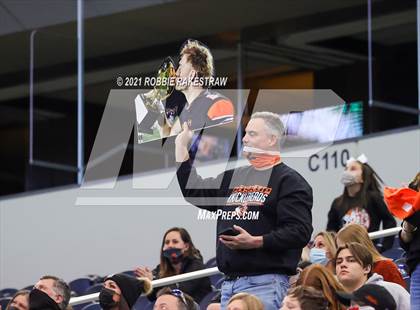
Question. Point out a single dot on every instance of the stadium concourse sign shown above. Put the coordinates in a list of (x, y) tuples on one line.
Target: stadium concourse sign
[(119, 118)]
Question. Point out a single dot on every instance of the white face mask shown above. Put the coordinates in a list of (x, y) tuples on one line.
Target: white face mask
[(348, 178), (254, 150)]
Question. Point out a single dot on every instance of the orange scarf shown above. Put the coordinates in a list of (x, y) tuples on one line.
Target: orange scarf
[(260, 161)]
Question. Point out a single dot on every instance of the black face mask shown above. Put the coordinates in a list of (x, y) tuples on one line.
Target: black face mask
[(38, 300), (105, 298), (173, 254)]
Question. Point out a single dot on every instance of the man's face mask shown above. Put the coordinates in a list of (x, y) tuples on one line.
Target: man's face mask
[(38, 300), (106, 299), (173, 254), (259, 158)]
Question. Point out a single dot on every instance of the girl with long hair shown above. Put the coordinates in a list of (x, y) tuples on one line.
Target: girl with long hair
[(178, 255), (320, 278), (361, 202)]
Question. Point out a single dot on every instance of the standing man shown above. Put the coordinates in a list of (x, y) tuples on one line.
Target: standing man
[(257, 255)]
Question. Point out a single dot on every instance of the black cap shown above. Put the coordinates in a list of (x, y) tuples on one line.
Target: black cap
[(372, 295), (131, 287)]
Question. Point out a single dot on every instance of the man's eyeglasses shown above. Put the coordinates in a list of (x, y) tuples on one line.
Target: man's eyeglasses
[(179, 294)]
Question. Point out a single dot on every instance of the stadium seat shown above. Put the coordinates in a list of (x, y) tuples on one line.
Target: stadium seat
[(7, 292), (81, 306), (79, 286), (207, 299), (394, 253), (4, 301), (92, 306), (96, 288), (143, 303), (216, 280), (129, 273), (211, 263)]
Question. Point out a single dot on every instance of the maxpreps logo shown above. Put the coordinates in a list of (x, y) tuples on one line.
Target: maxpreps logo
[(241, 197), (248, 195)]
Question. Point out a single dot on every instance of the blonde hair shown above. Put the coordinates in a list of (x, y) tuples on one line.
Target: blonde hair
[(329, 238), (358, 233), (251, 302), (200, 57)]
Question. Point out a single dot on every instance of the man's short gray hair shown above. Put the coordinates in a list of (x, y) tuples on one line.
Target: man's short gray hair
[(272, 121), (60, 287)]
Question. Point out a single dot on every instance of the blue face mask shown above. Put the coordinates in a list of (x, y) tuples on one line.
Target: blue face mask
[(318, 256)]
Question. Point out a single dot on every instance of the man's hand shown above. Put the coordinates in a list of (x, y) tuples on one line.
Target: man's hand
[(243, 241), (181, 143), (143, 272)]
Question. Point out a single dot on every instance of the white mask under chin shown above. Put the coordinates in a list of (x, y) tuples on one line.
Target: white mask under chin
[(254, 150)]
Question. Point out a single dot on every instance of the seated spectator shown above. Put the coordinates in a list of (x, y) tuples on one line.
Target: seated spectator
[(323, 250), (381, 265), (369, 296), (322, 279), (174, 299), (19, 301), (304, 298), (178, 255), (49, 293), (245, 301), (354, 269), (120, 291)]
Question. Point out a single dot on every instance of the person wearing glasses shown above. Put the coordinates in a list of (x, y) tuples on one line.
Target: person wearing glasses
[(174, 299), (256, 253), (49, 292)]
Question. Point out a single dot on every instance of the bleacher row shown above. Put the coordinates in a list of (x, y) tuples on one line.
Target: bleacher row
[(93, 284)]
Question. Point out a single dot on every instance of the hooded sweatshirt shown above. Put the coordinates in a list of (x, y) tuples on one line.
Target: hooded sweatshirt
[(401, 296)]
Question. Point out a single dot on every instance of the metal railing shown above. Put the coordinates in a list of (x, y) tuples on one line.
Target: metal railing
[(209, 271)]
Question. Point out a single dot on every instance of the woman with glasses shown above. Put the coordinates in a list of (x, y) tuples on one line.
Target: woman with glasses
[(178, 255)]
